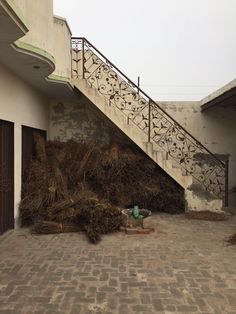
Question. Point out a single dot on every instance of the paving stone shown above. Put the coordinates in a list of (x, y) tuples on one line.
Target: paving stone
[(232, 300), (187, 308), (145, 299), (100, 296), (128, 301), (170, 308), (157, 303), (182, 267), (113, 282), (112, 303), (123, 308), (139, 308)]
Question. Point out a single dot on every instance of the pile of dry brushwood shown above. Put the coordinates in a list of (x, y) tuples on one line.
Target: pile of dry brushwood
[(232, 240), (78, 186)]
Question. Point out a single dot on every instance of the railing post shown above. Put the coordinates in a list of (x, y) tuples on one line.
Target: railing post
[(149, 121), (226, 183), (83, 58)]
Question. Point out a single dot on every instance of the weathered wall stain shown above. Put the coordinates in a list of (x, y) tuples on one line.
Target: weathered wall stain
[(82, 121), (201, 193), (214, 128)]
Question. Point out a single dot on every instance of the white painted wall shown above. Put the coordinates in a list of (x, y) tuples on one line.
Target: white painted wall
[(39, 18), (62, 47), (214, 128), (21, 104), (21, 5)]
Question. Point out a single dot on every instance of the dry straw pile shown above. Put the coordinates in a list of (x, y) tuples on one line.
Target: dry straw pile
[(79, 186)]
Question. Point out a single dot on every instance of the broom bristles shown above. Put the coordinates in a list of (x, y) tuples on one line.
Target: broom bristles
[(51, 227)]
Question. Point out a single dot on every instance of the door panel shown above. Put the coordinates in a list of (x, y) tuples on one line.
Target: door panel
[(6, 176)]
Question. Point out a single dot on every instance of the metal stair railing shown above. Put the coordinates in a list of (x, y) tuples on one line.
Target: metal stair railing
[(196, 160)]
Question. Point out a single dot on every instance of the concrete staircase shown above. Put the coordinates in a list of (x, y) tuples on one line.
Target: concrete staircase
[(181, 156)]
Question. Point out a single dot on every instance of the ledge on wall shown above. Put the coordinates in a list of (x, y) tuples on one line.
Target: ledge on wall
[(12, 22), (64, 21), (31, 63), (226, 95)]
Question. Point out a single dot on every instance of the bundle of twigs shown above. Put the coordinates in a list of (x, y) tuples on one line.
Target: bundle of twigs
[(67, 210), (39, 142), (50, 227), (78, 162), (31, 208), (67, 203), (92, 233), (232, 240), (100, 218), (126, 178), (68, 186)]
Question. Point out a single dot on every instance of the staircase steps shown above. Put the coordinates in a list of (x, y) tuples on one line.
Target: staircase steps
[(178, 153)]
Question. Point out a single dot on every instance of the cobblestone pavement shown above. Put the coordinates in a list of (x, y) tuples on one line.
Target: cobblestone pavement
[(183, 267)]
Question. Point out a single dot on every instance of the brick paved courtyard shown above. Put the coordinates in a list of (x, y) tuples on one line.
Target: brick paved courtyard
[(183, 267)]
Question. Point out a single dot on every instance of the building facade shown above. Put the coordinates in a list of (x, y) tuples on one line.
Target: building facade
[(38, 93)]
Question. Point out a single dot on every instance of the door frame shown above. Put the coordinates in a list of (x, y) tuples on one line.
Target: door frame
[(7, 197)]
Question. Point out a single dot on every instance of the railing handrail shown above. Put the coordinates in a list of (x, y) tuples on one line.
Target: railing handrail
[(149, 98)]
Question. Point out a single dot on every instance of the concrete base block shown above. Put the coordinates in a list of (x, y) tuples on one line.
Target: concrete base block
[(197, 199)]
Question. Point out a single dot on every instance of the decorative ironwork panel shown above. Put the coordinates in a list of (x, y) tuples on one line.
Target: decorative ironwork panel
[(141, 118), (188, 153), (116, 90)]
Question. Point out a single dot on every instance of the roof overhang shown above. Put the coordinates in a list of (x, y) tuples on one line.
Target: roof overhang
[(34, 65), (12, 24), (226, 96)]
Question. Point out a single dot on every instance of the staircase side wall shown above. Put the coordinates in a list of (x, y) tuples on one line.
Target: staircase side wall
[(214, 128), (81, 120)]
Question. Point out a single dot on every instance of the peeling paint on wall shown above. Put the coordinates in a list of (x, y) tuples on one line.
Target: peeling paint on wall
[(201, 193), (215, 128), (80, 121)]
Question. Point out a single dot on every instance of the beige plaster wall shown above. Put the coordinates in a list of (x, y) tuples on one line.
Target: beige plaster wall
[(81, 120), (39, 17), (62, 47), (48, 36), (214, 128), (21, 104), (21, 5)]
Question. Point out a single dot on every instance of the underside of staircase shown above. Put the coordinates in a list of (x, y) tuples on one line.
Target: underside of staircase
[(167, 143)]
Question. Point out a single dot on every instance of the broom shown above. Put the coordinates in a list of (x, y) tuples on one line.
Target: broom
[(232, 240), (51, 227)]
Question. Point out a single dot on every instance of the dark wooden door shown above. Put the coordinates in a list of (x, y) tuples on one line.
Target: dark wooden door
[(28, 147), (6, 176)]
